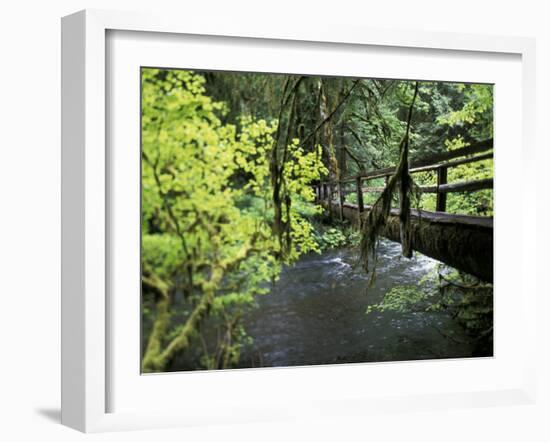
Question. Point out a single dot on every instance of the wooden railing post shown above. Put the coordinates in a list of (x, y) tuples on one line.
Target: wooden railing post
[(441, 198), (360, 204), (438, 163), (341, 196)]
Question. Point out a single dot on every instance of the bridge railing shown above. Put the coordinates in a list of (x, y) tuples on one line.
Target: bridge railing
[(439, 163)]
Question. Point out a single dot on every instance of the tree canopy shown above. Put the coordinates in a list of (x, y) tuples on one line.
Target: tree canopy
[(228, 164)]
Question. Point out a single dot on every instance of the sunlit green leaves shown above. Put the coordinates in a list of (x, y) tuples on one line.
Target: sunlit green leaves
[(207, 199), (403, 299)]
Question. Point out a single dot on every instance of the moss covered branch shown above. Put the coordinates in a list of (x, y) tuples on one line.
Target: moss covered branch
[(377, 217)]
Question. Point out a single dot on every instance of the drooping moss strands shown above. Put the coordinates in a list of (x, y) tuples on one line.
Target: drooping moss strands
[(405, 186), (377, 217), (276, 165), (329, 117)]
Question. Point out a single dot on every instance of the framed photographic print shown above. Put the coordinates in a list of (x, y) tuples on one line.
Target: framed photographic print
[(276, 223)]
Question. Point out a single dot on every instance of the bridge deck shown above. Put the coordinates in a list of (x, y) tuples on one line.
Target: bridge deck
[(439, 217), (460, 241)]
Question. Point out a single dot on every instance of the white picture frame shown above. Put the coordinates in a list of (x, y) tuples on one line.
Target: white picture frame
[(85, 204)]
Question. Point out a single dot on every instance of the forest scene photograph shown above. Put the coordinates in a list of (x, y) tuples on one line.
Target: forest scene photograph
[(293, 220)]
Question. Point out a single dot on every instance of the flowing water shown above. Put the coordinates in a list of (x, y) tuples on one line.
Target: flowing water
[(315, 314)]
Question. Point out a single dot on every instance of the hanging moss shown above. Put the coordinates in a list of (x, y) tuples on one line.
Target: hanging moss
[(376, 218), (280, 196)]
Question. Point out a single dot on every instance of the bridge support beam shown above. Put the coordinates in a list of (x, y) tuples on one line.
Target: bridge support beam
[(462, 242), (464, 247)]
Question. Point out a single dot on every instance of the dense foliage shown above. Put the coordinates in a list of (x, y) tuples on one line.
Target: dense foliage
[(207, 214), (228, 163), (446, 290)]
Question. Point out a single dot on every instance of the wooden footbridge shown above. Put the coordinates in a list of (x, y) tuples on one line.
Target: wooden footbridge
[(464, 242)]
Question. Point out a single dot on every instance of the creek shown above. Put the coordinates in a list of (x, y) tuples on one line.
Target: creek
[(316, 314)]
